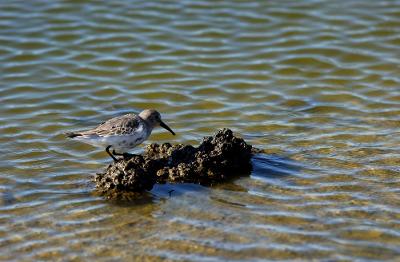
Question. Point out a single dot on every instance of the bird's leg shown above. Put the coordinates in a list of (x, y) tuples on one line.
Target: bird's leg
[(109, 153)]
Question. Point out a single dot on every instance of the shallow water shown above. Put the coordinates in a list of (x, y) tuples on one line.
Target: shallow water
[(316, 83)]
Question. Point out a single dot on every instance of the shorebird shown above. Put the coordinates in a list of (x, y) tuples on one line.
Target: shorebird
[(122, 133)]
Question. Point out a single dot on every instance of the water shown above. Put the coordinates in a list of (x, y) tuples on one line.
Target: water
[(315, 83)]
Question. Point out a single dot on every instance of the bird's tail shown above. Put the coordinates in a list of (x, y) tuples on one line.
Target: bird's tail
[(72, 134)]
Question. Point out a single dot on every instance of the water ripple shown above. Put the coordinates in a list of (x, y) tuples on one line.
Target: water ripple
[(314, 83)]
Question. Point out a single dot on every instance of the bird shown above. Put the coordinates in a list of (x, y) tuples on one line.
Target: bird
[(121, 133)]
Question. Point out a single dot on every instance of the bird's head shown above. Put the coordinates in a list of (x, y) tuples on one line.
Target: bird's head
[(153, 119)]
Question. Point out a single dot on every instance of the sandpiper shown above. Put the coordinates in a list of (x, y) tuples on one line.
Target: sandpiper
[(122, 133)]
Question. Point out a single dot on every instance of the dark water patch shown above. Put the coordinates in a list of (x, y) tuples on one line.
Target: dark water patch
[(274, 166)]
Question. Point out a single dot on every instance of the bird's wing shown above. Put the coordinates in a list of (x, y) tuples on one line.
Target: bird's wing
[(120, 125)]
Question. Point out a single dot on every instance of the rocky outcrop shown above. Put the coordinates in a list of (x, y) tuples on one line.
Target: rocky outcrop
[(216, 159)]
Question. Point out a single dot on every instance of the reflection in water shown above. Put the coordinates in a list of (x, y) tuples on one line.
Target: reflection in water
[(7, 198), (167, 191), (274, 166)]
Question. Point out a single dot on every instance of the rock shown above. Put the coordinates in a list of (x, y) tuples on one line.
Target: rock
[(216, 159), (126, 175)]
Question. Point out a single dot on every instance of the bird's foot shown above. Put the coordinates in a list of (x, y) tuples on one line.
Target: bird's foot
[(116, 153), (124, 155)]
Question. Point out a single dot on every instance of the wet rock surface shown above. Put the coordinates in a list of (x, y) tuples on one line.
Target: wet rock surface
[(216, 159)]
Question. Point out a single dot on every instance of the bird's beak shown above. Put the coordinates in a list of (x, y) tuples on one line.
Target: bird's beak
[(162, 124)]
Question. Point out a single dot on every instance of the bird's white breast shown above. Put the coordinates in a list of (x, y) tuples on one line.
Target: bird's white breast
[(121, 143)]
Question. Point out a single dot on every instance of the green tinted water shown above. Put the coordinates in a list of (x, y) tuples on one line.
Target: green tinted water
[(315, 83)]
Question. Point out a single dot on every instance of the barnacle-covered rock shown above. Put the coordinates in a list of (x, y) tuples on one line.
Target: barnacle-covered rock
[(216, 159)]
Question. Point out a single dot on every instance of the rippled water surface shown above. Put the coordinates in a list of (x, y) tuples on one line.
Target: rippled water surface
[(315, 83)]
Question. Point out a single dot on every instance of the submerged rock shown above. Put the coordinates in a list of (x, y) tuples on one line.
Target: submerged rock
[(216, 159)]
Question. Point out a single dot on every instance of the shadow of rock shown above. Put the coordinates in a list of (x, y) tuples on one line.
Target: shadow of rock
[(216, 159)]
